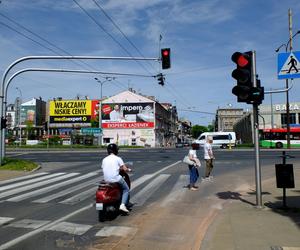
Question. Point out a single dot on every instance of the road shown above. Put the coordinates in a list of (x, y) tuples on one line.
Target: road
[(53, 207)]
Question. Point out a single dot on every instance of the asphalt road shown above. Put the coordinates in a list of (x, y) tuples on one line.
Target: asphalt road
[(52, 209)]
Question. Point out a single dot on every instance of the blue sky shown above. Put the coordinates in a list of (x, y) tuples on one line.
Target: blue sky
[(202, 36)]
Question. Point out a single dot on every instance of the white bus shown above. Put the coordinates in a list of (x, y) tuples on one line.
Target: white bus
[(220, 139)]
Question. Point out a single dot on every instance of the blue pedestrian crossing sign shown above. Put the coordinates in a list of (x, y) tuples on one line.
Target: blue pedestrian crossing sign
[(288, 65)]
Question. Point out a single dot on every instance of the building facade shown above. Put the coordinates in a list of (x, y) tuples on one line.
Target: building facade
[(270, 116), (226, 118)]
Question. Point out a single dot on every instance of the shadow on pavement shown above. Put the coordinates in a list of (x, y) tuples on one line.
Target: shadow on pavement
[(292, 208), (232, 196)]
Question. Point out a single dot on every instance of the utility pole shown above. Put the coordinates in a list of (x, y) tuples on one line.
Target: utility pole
[(288, 129)]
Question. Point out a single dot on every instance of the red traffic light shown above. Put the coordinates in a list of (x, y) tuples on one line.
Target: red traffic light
[(242, 60), (165, 58), (165, 52)]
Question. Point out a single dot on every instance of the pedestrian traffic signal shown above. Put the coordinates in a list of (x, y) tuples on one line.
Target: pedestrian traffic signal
[(3, 122), (243, 75), (165, 58), (257, 94), (161, 79)]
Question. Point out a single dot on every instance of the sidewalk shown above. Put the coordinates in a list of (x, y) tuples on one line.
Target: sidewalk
[(242, 226)]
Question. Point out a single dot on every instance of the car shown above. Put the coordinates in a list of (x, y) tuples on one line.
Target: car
[(179, 145)]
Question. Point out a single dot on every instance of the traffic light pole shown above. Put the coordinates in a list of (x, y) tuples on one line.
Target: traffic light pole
[(256, 141)]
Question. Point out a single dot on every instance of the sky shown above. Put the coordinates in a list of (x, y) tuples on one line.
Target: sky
[(202, 35)]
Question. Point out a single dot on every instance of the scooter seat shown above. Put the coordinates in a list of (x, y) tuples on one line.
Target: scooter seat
[(104, 184)]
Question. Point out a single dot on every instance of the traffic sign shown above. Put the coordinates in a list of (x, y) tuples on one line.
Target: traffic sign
[(91, 131), (288, 65)]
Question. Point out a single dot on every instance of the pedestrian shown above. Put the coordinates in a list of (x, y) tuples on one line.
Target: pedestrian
[(193, 167), (208, 157)]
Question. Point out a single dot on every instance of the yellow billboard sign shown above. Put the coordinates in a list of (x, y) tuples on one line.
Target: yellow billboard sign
[(71, 108)]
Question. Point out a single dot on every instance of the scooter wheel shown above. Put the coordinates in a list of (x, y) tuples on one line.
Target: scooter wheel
[(101, 215)]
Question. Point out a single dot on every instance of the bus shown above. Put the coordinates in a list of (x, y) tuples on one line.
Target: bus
[(220, 139), (276, 137)]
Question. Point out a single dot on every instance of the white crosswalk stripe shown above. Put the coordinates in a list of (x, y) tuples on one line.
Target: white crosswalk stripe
[(71, 228), (51, 188), (22, 178), (27, 223), (140, 198), (24, 183), (39, 184), (177, 192), (79, 197), (4, 220), (66, 191)]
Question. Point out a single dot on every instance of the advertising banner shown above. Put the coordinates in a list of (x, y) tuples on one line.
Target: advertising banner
[(127, 115), (70, 111), (28, 114)]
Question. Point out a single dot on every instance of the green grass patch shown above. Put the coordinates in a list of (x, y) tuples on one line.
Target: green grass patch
[(18, 165)]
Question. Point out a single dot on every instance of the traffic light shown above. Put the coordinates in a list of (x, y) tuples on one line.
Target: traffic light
[(3, 122), (257, 94), (161, 79), (243, 75), (165, 58)]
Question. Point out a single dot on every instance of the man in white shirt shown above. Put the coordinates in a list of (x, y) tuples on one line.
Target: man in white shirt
[(111, 165), (115, 115), (208, 157)]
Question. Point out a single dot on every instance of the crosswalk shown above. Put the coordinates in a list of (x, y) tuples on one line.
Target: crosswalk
[(73, 188)]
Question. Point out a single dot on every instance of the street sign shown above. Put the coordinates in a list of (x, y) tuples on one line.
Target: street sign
[(288, 65), (91, 131)]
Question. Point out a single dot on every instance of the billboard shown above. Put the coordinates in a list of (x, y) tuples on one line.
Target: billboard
[(127, 115), (70, 111), (28, 114)]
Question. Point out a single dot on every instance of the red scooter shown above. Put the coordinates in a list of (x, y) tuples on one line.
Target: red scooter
[(109, 196)]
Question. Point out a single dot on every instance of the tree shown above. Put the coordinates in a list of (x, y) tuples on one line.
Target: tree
[(198, 130)]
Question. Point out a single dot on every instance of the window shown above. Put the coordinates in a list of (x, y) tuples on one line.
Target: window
[(220, 137), (284, 119)]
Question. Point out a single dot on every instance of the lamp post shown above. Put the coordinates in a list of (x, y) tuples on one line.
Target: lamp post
[(287, 92), (107, 79), (19, 118)]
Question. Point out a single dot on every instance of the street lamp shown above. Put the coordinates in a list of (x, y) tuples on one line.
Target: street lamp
[(287, 92), (19, 118), (107, 79)]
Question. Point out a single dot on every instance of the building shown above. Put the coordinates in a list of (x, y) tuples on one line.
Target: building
[(133, 119), (226, 118), (270, 116)]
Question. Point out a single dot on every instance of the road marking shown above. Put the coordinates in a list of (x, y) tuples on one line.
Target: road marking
[(141, 197), (24, 183), (140, 181), (23, 237), (51, 188), (29, 187), (43, 228), (116, 231), (71, 228), (79, 197), (22, 178), (177, 192), (27, 223), (65, 192), (4, 220)]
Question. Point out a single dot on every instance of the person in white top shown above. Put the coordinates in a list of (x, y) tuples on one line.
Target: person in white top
[(208, 156), (111, 165), (194, 174), (115, 115)]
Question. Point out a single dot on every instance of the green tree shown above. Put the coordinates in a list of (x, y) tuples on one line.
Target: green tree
[(198, 130)]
